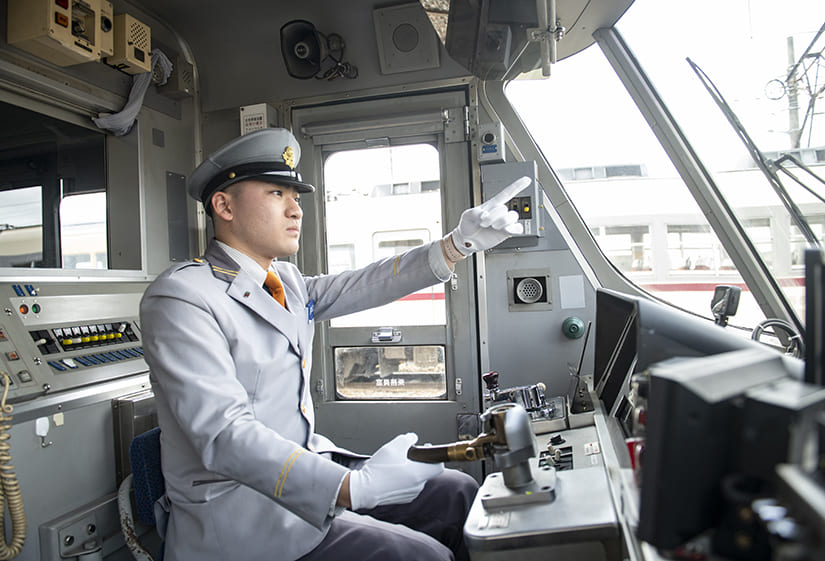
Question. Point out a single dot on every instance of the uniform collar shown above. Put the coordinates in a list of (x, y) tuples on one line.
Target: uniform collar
[(245, 262), (249, 292)]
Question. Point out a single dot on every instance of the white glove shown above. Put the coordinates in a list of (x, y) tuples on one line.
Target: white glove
[(490, 223), (389, 477)]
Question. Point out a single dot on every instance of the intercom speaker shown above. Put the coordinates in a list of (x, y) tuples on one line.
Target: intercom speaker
[(528, 290)]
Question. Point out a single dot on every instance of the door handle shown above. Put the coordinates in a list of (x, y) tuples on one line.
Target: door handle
[(386, 335)]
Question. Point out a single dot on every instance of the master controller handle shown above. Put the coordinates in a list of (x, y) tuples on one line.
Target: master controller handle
[(507, 438)]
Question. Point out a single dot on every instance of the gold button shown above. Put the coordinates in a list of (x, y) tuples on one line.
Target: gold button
[(303, 409), (304, 364)]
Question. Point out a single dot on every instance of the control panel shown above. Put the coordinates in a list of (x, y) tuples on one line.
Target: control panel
[(56, 336)]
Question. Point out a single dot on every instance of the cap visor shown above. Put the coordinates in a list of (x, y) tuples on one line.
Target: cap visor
[(274, 177)]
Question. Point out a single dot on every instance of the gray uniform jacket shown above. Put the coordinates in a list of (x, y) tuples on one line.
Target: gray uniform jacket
[(246, 477)]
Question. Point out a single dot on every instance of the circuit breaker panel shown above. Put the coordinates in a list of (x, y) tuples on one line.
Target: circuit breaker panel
[(63, 32)]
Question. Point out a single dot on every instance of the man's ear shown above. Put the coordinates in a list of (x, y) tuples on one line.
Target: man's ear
[(221, 205)]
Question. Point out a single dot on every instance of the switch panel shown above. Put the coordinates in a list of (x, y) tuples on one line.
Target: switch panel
[(495, 177), (55, 338)]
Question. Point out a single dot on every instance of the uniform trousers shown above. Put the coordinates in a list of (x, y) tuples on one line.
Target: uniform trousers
[(430, 528)]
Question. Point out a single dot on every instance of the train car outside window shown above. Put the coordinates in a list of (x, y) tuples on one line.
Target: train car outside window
[(83, 231), (21, 227)]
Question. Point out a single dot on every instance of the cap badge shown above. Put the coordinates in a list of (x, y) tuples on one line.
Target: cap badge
[(289, 157)]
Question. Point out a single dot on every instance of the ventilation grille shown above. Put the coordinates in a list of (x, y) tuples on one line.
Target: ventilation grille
[(139, 36), (529, 290)]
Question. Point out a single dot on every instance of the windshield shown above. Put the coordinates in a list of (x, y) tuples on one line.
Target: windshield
[(765, 64)]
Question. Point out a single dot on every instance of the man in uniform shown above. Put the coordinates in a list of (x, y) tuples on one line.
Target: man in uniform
[(228, 339)]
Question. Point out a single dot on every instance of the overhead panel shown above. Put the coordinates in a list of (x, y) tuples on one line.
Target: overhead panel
[(494, 39), (63, 32), (406, 40)]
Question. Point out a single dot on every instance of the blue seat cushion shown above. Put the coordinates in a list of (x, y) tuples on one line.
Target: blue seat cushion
[(144, 456)]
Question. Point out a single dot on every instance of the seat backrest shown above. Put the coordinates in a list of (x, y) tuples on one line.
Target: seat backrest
[(144, 457)]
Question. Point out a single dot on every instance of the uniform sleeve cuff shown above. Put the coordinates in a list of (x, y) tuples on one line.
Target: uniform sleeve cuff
[(438, 263), (334, 509)]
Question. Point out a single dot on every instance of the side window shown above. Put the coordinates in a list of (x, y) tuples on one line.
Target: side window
[(21, 227), (381, 202), (57, 169), (83, 231)]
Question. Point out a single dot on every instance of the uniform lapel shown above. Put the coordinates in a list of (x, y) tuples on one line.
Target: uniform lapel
[(247, 293)]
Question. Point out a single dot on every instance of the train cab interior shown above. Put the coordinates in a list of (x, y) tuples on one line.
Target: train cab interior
[(637, 375)]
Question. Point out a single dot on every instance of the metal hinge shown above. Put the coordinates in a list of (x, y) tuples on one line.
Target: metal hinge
[(456, 124)]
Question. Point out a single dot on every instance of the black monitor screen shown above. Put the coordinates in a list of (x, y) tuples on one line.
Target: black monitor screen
[(615, 355), (632, 333), (814, 316)]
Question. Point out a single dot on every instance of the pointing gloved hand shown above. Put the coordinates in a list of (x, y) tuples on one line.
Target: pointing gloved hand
[(388, 477), (488, 224)]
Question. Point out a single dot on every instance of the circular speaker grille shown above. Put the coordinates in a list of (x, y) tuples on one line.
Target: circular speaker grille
[(405, 38), (529, 290)]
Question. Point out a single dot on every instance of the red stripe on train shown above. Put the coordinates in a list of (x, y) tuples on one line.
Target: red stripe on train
[(708, 286), (414, 297)]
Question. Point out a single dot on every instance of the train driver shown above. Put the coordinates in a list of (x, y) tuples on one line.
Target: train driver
[(228, 338)]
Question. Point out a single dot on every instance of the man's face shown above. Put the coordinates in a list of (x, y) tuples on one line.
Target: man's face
[(260, 219)]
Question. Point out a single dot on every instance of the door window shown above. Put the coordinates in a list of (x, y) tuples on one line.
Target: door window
[(381, 202)]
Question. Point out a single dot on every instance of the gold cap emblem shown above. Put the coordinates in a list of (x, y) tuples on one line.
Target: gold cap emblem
[(289, 157)]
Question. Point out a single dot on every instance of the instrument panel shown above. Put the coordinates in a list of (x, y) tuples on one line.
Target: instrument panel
[(56, 336)]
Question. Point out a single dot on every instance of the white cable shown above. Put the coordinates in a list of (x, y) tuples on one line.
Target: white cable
[(9, 486)]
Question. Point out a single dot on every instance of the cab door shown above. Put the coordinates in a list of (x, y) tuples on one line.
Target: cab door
[(392, 174)]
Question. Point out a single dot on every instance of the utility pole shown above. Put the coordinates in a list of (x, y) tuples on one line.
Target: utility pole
[(793, 100)]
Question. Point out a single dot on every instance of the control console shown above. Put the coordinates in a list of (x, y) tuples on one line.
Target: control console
[(56, 336)]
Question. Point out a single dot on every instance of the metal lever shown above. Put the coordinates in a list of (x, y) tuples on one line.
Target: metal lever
[(457, 452)]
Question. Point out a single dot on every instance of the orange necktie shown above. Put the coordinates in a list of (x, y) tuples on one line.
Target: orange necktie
[(275, 287)]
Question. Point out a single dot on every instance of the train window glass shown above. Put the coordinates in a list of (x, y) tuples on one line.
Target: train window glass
[(798, 243), (341, 257), (47, 164), (747, 49), (759, 231), (767, 65), (692, 247), (83, 231), (623, 185), (381, 202), (628, 247), (21, 227), (397, 372)]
